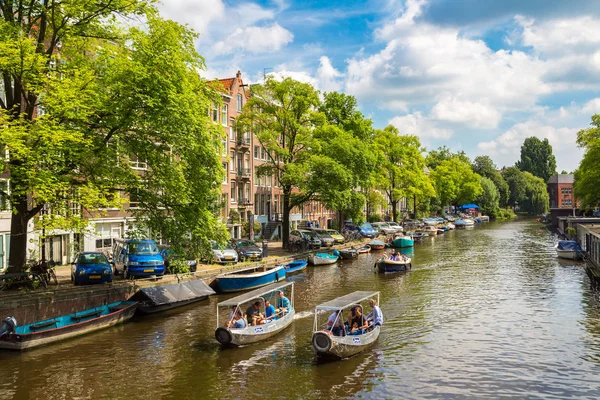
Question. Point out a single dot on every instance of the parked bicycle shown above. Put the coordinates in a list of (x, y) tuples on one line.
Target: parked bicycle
[(46, 271), (27, 278)]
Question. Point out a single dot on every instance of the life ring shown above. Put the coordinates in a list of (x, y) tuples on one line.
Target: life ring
[(223, 335), (321, 342)]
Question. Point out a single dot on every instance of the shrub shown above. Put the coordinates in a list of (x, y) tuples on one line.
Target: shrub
[(375, 218)]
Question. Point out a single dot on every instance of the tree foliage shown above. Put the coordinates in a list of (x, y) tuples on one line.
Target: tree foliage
[(455, 182), (484, 166), (527, 192), (489, 200), (587, 175), (83, 97), (435, 157), (537, 158)]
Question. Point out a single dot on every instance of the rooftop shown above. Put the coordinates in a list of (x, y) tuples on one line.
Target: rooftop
[(562, 178)]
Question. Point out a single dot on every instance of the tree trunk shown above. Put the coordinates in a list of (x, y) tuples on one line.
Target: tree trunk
[(394, 207), (285, 225), (18, 237), (415, 206)]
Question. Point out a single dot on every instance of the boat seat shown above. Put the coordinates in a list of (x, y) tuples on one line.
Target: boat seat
[(41, 325), (92, 313), (116, 308)]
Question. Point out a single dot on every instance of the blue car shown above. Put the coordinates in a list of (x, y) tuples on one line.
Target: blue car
[(367, 230), (138, 258), (91, 267)]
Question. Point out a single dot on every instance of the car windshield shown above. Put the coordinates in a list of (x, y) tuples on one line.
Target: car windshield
[(246, 243), (366, 225), (323, 234), (86, 259), (217, 246), (142, 248), (334, 233)]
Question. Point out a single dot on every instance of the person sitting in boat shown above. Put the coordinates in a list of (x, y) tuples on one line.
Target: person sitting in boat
[(359, 319), (269, 311), (238, 322), (335, 325), (375, 318), (253, 314), (355, 330), (283, 304)]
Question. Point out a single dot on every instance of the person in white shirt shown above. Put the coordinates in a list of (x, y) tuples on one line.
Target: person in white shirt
[(376, 316)]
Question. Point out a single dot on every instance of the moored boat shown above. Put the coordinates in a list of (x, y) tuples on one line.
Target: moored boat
[(469, 222), (569, 249), (403, 241), (430, 230), (450, 226), (460, 223), (160, 298), (322, 259), (227, 334), (364, 249), (377, 244), (15, 337), (295, 266), (326, 344), (346, 254), (485, 218), (387, 265), (250, 278)]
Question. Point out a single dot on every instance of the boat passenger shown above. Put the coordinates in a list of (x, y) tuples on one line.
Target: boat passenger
[(335, 325), (283, 304), (359, 319), (376, 316), (239, 321), (355, 330), (253, 314), (269, 311)]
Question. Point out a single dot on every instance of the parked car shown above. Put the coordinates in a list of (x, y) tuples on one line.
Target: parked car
[(383, 227), (365, 230), (224, 253), (91, 267), (326, 239), (137, 258), (169, 254), (248, 250), (338, 237), (396, 226), (300, 236)]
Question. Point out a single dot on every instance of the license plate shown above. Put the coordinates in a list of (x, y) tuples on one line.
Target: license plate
[(148, 270), (254, 256), (229, 258), (94, 277)]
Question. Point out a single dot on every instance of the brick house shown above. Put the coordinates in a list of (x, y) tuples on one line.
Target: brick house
[(560, 189)]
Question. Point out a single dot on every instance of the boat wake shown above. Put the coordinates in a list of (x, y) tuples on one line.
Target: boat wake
[(303, 314)]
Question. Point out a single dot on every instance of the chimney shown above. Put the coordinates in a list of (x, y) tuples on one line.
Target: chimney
[(239, 74)]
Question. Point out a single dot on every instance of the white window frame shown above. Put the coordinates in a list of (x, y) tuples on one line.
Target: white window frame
[(240, 102), (224, 114)]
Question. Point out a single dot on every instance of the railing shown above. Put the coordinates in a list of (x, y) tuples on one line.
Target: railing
[(243, 172), (243, 142)]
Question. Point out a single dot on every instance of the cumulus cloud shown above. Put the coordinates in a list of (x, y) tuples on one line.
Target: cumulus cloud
[(327, 76), (197, 14), (256, 40), (417, 124), (478, 114)]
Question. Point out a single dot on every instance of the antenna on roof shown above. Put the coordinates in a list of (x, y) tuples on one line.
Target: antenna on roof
[(265, 73)]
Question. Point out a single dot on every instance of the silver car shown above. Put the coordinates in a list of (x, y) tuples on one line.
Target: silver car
[(224, 253), (383, 227)]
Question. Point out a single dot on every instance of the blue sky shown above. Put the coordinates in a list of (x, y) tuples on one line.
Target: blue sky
[(474, 75)]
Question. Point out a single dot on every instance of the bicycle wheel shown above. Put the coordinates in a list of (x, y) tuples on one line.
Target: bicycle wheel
[(41, 282), (52, 276)]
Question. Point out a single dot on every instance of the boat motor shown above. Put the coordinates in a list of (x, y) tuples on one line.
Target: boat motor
[(8, 325)]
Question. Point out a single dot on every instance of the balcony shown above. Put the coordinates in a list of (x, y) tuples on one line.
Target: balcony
[(243, 174), (243, 142), (244, 203)]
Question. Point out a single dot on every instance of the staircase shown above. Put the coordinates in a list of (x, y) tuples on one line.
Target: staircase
[(269, 229)]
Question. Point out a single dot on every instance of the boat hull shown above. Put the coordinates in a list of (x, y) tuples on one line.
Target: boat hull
[(348, 254), (403, 242), (340, 347), (364, 250), (569, 254), (150, 308), (238, 282), (384, 266), (318, 260), (253, 334), (295, 266), (16, 341)]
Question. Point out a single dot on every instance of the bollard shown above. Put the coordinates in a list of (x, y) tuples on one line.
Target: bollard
[(265, 248)]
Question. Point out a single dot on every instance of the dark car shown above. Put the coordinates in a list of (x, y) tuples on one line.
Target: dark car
[(248, 250), (169, 254), (91, 267), (305, 237)]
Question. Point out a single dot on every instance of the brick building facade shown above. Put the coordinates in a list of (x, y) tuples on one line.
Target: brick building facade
[(560, 189)]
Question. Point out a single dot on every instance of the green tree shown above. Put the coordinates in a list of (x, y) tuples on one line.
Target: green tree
[(401, 172), (484, 166), (587, 175), (527, 191), (455, 182), (537, 158), (489, 200), (83, 97), (435, 157)]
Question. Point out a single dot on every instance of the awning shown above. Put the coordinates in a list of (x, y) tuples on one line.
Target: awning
[(255, 294), (177, 292), (468, 206), (347, 300)]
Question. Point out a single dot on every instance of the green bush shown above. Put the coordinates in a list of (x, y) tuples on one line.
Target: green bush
[(375, 218), (503, 213), (178, 266)]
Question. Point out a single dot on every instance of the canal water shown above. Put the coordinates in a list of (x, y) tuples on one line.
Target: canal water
[(488, 312)]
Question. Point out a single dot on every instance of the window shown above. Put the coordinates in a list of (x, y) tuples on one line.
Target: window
[(224, 149), (232, 161), (134, 199), (4, 191), (256, 196), (256, 151), (239, 102), (231, 133), (247, 192), (255, 177), (74, 208), (263, 153), (241, 194), (215, 114), (233, 191), (224, 115), (137, 163), (225, 174)]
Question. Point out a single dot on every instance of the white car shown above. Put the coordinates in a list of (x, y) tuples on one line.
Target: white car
[(223, 254), (396, 226), (383, 227)]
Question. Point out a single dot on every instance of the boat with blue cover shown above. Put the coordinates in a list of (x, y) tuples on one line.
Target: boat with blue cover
[(295, 266), (165, 297), (403, 241), (15, 337), (569, 249), (250, 278), (322, 259)]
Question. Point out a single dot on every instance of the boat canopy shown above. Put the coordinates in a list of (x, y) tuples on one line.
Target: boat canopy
[(255, 294), (468, 206), (568, 245), (346, 301), (177, 292)]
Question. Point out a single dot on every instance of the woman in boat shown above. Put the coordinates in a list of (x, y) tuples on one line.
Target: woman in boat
[(359, 319)]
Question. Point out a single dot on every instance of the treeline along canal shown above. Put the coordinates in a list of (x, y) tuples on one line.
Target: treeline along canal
[(488, 312)]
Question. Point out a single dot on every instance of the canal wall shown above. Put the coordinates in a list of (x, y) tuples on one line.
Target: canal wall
[(588, 237)]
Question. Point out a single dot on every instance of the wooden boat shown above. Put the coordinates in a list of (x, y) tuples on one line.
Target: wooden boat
[(485, 218), (450, 226), (250, 278), (252, 334), (15, 337), (430, 230), (164, 297), (346, 254), (403, 241), (327, 345), (364, 249), (295, 266), (469, 222), (377, 244), (569, 249), (386, 265), (322, 259)]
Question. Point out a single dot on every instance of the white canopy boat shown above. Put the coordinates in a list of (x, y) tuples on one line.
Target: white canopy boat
[(227, 335), (326, 344)]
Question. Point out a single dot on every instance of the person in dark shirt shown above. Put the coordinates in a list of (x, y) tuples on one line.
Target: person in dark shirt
[(253, 314)]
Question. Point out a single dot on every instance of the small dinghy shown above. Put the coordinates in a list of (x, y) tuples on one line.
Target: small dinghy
[(250, 278), (237, 331), (403, 241), (322, 259), (346, 254), (333, 340), (295, 266), (364, 249), (377, 244), (569, 249), (15, 337), (385, 265)]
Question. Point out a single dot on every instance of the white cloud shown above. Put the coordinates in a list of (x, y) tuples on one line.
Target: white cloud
[(255, 40), (198, 14), (328, 76), (476, 114), (417, 124)]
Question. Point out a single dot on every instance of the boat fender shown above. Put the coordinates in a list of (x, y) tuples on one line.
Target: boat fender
[(223, 335), (322, 342), (8, 325)]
